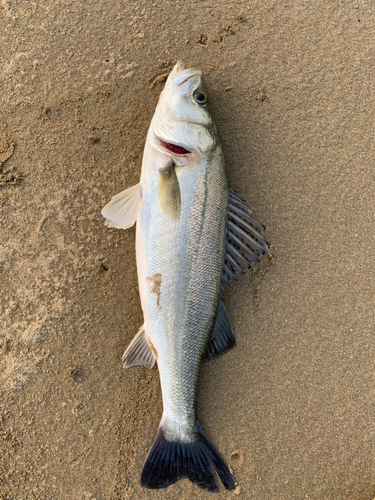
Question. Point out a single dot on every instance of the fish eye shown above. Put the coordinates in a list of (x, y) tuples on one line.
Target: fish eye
[(201, 98)]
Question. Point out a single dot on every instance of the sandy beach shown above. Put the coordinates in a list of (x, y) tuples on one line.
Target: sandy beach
[(291, 408)]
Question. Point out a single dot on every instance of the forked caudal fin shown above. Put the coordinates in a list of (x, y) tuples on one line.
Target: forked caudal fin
[(169, 461)]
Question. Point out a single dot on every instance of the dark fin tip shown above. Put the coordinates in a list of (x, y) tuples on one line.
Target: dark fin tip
[(169, 461)]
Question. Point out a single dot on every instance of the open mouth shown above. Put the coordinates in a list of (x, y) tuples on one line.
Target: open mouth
[(173, 148)]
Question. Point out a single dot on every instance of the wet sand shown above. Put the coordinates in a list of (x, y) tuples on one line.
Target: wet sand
[(291, 408)]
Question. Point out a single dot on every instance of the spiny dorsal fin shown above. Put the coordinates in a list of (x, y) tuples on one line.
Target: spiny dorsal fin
[(222, 337), (139, 351), (245, 243), (123, 209)]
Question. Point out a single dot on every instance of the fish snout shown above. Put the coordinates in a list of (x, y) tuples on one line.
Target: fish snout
[(180, 66), (180, 73)]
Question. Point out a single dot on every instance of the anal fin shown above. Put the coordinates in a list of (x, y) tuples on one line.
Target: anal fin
[(222, 337), (123, 209), (139, 351)]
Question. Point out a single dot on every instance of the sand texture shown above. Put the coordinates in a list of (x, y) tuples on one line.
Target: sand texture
[(291, 408)]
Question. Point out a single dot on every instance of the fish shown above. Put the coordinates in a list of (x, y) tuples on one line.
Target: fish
[(193, 236)]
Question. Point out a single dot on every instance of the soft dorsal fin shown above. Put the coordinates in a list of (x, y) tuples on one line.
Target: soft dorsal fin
[(222, 337), (123, 209), (245, 243), (139, 351)]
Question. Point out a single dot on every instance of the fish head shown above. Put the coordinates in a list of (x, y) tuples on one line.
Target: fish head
[(182, 127)]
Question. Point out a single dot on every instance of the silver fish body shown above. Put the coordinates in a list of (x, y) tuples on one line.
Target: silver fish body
[(193, 236), (186, 257)]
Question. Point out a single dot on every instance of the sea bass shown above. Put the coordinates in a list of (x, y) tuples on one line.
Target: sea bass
[(193, 236)]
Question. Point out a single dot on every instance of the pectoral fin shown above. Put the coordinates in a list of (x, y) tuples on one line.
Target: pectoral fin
[(122, 211), (169, 195)]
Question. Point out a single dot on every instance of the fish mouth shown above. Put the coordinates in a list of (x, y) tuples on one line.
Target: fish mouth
[(176, 149)]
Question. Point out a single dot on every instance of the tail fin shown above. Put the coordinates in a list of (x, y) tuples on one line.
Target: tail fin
[(169, 461)]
